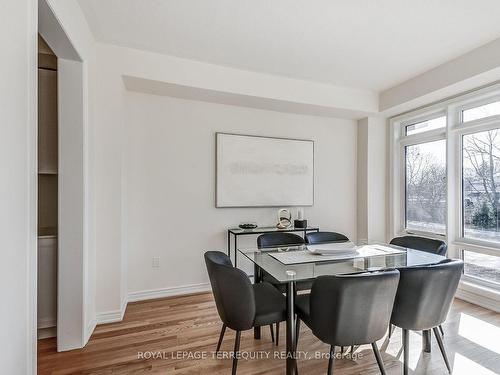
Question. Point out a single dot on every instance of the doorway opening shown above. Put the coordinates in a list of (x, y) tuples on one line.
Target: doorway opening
[(47, 191), (62, 309)]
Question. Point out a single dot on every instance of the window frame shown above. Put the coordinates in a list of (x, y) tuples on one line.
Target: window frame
[(477, 102), (478, 249), (416, 120), (453, 133), (399, 225)]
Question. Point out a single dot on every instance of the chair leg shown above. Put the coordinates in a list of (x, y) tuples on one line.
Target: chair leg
[(406, 351), (352, 349), (272, 332), (297, 331), (441, 329), (426, 340), (341, 351), (221, 337), (378, 357), (277, 333), (331, 360), (236, 350), (441, 347)]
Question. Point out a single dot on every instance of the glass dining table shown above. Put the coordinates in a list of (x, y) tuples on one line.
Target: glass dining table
[(289, 265)]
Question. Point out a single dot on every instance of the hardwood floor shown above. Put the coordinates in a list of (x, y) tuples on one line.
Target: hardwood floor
[(176, 330)]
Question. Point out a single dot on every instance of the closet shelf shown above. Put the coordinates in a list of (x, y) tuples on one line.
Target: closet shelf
[(47, 232), (47, 172)]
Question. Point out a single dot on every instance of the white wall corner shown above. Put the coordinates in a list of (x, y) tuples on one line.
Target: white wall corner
[(112, 316), (362, 180), (372, 179), (89, 330)]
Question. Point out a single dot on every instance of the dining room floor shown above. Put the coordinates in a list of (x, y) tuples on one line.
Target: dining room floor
[(178, 335)]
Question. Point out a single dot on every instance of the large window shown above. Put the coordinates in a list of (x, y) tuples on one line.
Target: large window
[(446, 179), (426, 186), (481, 185)]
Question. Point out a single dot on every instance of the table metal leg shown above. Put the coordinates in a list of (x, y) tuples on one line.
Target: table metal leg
[(426, 341), (236, 251), (229, 244), (290, 328)]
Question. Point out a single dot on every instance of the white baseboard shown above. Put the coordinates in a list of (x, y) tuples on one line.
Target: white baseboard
[(112, 316), (45, 333), (143, 295), (46, 323), (168, 292), (479, 295), (89, 330)]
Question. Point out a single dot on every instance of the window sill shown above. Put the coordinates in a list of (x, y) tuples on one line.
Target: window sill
[(415, 232), (483, 245), (480, 295)]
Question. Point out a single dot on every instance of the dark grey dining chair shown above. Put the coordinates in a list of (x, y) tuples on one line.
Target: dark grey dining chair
[(315, 238), (241, 305), (281, 239), (423, 299), (428, 245), (349, 310), (277, 239)]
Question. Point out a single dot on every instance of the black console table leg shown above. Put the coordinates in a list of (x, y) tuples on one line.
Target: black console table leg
[(236, 251)]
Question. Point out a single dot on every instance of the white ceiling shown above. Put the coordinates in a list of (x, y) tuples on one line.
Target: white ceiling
[(369, 44)]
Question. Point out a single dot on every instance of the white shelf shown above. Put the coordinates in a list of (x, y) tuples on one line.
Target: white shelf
[(48, 172)]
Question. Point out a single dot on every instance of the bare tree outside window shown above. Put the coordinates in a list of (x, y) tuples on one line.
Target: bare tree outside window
[(481, 185), (426, 187)]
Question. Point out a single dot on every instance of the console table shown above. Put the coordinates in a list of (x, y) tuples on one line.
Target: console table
[(259, 230)]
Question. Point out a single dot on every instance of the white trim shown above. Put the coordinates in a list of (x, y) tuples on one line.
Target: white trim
[(168, 292), (420, 233), (90, 329), (32, 241), (47, 323), (45, 333), (478, 246), (479, 295), (428, 136), (474, 103), (112, 316)]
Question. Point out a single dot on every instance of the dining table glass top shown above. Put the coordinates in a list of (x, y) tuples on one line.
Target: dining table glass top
[(297, 263)]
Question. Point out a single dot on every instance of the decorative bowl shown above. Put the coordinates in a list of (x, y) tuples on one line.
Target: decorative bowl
[(248, 225)]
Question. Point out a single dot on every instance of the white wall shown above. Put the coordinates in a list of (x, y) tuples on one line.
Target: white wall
[(372, 179), (108, 133), (170, 158), (476, 68), (18, 38), (362, 180), (377, 169)]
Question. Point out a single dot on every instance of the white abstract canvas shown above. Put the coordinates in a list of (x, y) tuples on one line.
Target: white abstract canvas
[(261, 171)]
